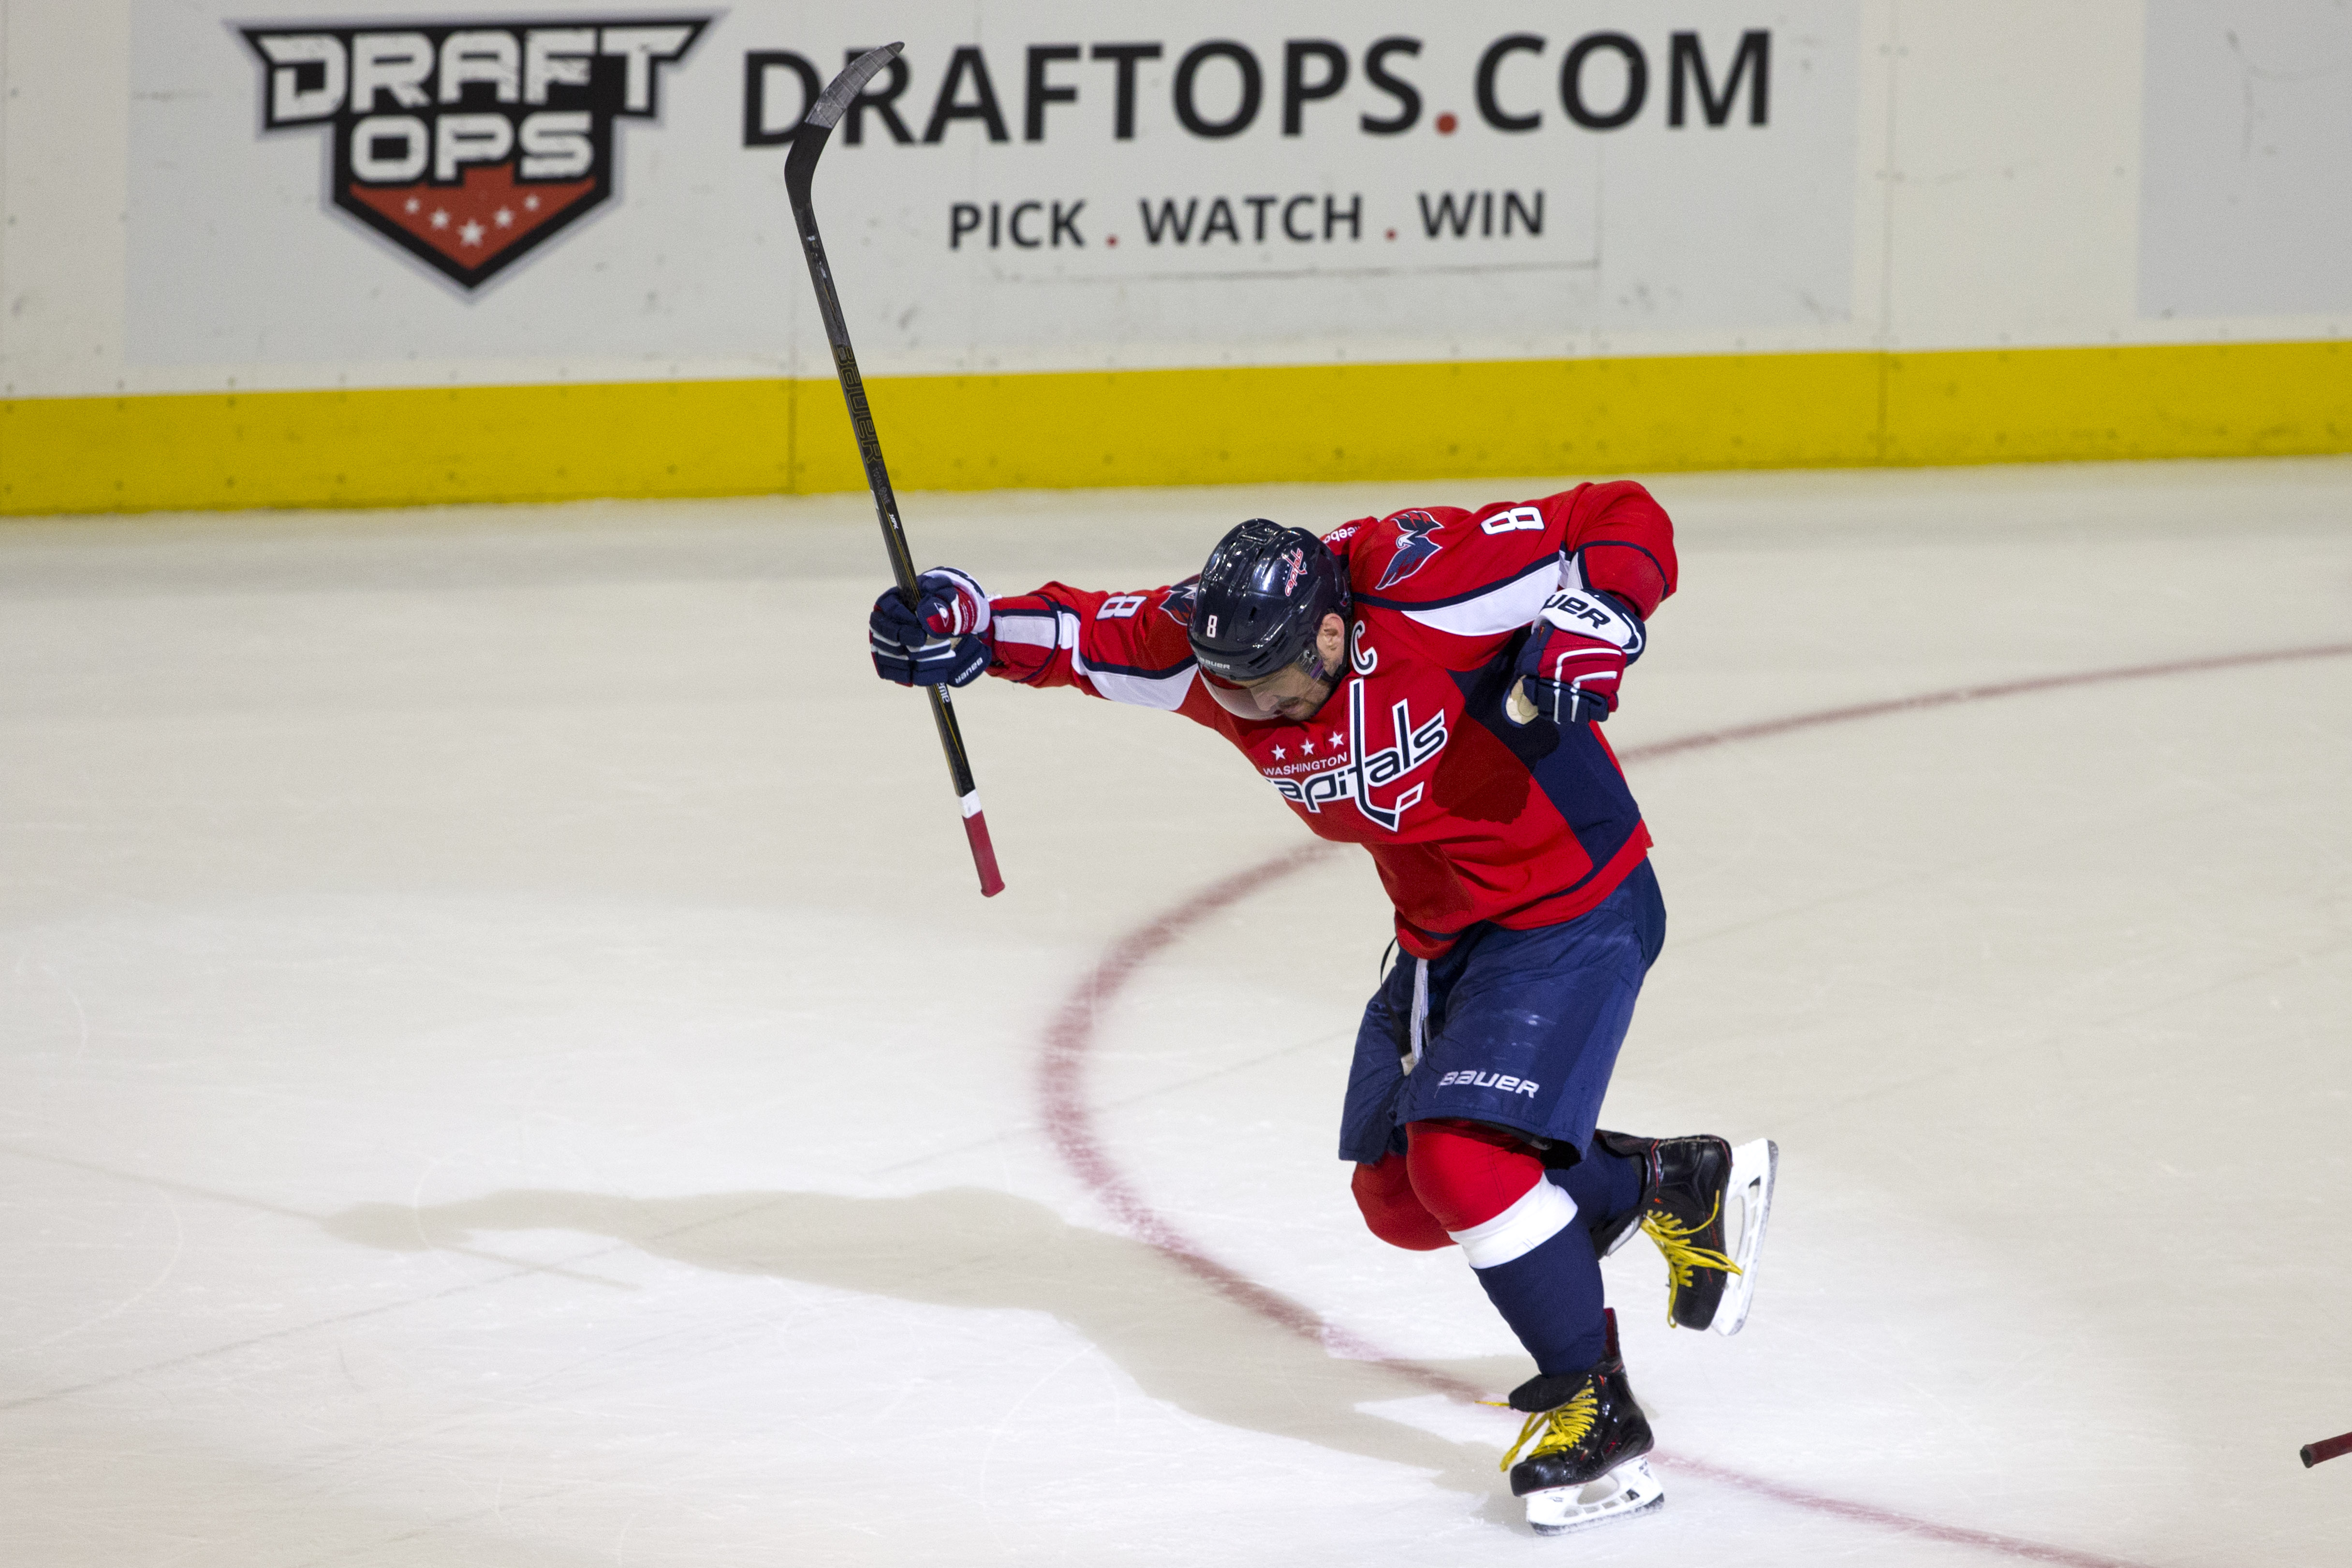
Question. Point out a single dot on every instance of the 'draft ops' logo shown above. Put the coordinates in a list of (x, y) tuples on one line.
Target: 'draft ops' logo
[(469, 144)]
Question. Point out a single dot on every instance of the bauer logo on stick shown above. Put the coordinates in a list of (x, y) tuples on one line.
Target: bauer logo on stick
[(469, 146)]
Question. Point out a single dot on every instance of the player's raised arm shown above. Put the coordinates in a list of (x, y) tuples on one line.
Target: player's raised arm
[(1124, 647), (1260, 635)]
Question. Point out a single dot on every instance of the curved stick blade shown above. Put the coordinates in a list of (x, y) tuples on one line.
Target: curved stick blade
[(833, 101)]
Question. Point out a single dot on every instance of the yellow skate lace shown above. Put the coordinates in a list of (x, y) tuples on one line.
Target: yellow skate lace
[(1569, 1424), (1683, 1255)]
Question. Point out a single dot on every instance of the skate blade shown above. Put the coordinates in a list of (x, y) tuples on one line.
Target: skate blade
[(1628, 1489), (1755, 1168)]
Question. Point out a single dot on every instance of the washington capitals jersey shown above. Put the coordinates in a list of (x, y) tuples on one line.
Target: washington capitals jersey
[(1469, 816)]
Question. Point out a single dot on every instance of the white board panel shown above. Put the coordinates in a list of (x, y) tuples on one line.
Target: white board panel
[(2247, 197), (1284, 190)]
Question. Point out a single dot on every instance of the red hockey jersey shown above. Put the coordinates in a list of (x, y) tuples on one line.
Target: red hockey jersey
[(1469, 816)]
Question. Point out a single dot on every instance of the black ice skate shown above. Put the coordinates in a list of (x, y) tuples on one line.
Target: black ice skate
[(1586, 1466), (1689, 1186)]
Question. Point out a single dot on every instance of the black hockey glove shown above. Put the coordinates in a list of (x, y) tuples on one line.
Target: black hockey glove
[(942, 641), (1575, 654)]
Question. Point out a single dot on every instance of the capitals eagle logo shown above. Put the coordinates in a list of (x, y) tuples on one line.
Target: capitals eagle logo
[(1415, 546), (1178, 604)]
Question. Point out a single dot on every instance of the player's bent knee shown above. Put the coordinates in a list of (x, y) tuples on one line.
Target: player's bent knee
[(1391, 1212), (1466, 1173)]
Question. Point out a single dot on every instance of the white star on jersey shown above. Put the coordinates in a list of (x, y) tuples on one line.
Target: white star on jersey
[(1279, 754), (1308, 746)]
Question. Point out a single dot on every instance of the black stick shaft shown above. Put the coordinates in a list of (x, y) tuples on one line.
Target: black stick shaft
[(800, 169)]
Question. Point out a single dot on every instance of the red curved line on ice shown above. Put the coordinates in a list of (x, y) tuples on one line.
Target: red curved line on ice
[(1069, 1119), (1766, 728)]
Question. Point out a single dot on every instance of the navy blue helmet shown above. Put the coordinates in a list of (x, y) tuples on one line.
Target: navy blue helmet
[(1262, 596)]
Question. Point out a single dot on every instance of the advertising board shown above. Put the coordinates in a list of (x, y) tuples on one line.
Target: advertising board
[(1034, 185), (337, 252)]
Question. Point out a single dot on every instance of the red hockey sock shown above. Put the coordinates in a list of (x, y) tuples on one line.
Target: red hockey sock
[(1519, 1231), (1466, 1173)]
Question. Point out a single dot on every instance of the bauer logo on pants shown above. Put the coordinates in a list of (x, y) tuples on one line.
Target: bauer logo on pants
[(472, 145)]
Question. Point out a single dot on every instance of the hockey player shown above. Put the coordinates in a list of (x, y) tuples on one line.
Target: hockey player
[(1430, 685)]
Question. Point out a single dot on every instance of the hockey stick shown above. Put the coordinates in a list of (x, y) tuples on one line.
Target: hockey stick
[(2325, 1448), (800, 168)]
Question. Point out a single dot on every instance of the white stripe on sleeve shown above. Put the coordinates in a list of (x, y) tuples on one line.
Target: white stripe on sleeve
[(1499, 610), (1025, 627), (1166, 693)]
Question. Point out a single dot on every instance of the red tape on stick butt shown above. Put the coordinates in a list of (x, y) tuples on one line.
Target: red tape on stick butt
[(983, 853), (2326, 1448)]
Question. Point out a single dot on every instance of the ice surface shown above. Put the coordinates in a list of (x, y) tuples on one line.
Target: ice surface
[(502, 1062)]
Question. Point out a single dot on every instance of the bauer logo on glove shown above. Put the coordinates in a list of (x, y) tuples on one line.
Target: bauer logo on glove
[(1575, 655)]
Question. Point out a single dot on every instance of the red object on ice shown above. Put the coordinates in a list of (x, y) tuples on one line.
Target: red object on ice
[(983, 855), (2326, 1448)]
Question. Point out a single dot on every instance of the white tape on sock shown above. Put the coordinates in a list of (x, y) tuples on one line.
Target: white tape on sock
[(1542, 1212)]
